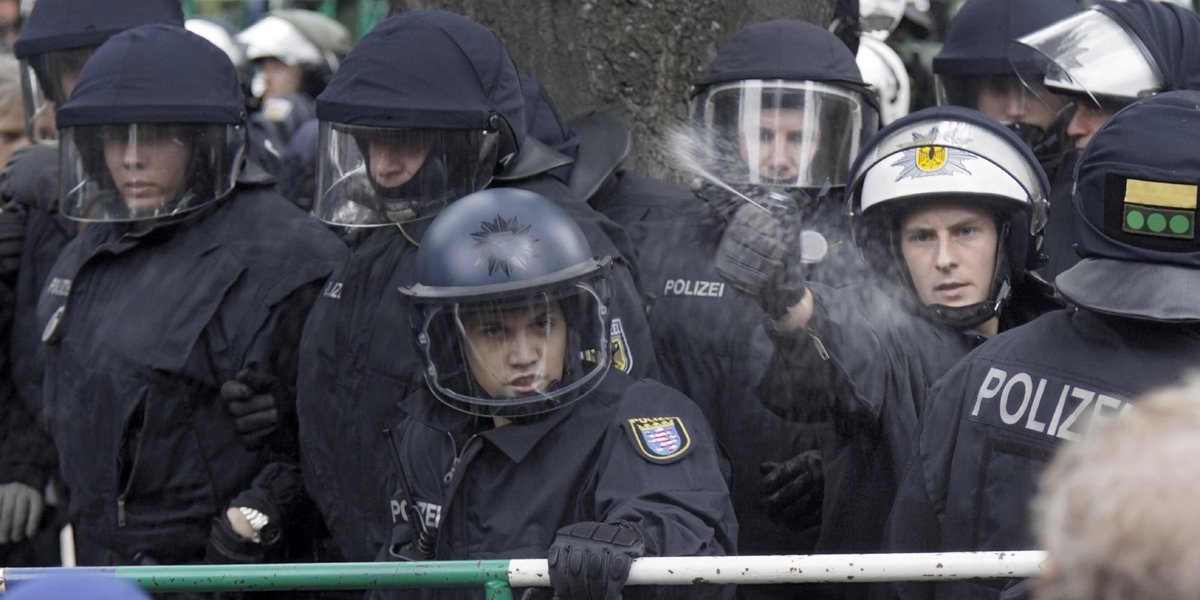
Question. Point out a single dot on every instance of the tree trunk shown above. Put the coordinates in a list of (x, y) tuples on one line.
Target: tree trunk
[(634, 59)]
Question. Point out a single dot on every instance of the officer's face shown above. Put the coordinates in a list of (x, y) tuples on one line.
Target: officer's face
[(1005, 98), (516, 352), (950, 251), (278, 78), (149, 167), (12, 131), (394, 161), (1087, 121), (778, 149)]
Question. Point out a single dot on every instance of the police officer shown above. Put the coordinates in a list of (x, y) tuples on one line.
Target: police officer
[(525, 443), (1103, 59), (170, 322), (403, 139), (53, 44), (947, 206), (764, 96), (1112, 54), (994, 420), (975, 69), (293, 52)]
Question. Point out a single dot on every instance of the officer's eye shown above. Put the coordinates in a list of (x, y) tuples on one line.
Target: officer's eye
[(795, 138), (766, 136), (920, 237)]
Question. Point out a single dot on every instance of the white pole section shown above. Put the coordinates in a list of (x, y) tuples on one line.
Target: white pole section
[(845, 568)]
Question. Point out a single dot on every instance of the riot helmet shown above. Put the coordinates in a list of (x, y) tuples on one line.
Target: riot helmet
[(57, 39), (1135, 214), (949, 155), (400, 139), (299, 39), (974, 68), (508, 306), (223, 36), (1112, 54), (154, 128), (884, 70), (781, 112), (879, 18)]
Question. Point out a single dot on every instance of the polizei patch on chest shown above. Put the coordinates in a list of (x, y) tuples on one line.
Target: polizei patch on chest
[(660, 440), (688, 287)]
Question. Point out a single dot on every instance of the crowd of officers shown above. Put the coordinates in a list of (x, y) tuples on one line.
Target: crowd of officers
[(270, 296)]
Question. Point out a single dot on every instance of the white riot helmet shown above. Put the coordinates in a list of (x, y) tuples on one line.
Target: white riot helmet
[(949, 154), (883, 69)]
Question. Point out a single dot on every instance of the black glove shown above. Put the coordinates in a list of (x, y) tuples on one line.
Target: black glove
[(252, 404), (792, 491), (20, 511), (31, 177), (591, 560), (226, 546), (759, 254), (12, 237)]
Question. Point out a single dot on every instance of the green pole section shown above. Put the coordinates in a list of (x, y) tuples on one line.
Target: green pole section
[(497, 590), (492, 575)]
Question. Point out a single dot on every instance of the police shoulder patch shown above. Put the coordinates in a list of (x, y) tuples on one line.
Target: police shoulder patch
[(660, 440)]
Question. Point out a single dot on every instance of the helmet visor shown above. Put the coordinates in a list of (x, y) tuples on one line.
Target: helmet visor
[(517, 355), (374, 176), (47, 80), (782, 133), (879, 18), (1090, 54), (143, 171)]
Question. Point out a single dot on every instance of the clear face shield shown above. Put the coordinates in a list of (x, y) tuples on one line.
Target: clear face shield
[(376, 176), (144, 171), (521, 355), (782, 134), (1090, 54), (47, 80)]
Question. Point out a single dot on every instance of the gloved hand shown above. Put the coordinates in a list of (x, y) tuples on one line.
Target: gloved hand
[(759, 254), (20, 511), (792, 491), (31, 177), (590, 560), (12, 237), (227, 546), (252, 404)]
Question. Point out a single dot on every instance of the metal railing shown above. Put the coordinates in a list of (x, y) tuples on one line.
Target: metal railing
[(498, 577)]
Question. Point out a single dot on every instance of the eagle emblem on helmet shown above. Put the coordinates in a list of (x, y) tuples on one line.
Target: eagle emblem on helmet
[(929, 158), (504, 245)]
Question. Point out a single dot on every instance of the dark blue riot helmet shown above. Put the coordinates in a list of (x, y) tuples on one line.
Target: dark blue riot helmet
[(1116, 52), (509, 307), (59, 36), (425, 108), (781, 112), (974, 68), (154, 128), (949, 154), (1137, 184)]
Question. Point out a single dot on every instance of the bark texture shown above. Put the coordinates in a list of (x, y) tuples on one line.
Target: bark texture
[(634, 59)]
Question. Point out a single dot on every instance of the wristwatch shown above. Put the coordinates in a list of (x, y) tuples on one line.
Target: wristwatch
[(257, 522)]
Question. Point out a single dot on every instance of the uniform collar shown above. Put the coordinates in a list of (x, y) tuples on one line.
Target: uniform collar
[(515, 440)]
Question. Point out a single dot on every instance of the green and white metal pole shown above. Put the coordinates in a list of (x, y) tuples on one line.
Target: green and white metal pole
[(498, 577)]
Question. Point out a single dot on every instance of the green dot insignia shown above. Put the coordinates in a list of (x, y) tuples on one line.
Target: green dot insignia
[(1135, 220), (1159, 221)]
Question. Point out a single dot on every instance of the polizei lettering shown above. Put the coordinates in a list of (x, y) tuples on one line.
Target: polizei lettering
[(687, 287), (430, 513), (1037, 405)]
